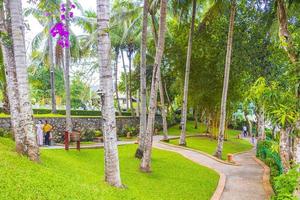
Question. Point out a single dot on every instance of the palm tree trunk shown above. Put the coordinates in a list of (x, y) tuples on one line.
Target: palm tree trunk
[(67, 78), (129, 80), (52, 75), (26, 114), (126, 79), (143, 84), (182, 140), (226, 81), (196, 118), (116, 82), (4, 82), (161, 90), (261, 124), (146, 160), (111, 166)]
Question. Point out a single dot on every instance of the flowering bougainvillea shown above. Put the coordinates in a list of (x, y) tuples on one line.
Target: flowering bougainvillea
[(60, 28)]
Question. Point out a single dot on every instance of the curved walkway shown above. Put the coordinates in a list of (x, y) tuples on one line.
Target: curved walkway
[(243, 182)]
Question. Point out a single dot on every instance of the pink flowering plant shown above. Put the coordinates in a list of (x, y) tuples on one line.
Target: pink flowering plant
[(60, 28)]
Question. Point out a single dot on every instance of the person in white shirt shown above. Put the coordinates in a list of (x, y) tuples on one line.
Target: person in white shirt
[(245, 131)]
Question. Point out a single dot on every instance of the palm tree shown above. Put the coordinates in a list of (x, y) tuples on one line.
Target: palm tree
[(163, 109), (111, 166), (26, 114), (3, 84), (146, 160), (51, 59), (186, 80), (226, 81), (143, 86), (67, 58)]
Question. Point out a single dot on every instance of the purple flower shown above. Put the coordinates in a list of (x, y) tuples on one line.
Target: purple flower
[(62, 17), (71, 14), (63, 9), (73, 6), (47, 14)]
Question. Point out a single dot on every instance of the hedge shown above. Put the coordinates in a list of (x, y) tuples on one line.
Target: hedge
[(73, 112)]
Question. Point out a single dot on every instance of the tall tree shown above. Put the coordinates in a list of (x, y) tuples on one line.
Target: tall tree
[(111, 165), (67, 58), (11, 76), (3, 83), (182, 140), (26, 114), (143, 86), (52, 74), (226, 82), (146, 160), (117, 52)]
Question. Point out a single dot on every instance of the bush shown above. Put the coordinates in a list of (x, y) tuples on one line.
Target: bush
[(76, 112), (88, 135), (5, 133), (286, 184), (129, 128)]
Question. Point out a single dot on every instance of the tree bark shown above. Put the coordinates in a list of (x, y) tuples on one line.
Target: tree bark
[(111, 165), (146, 160), (195, 118), (116, 80), (67, 78), (129, 54), (161, 90), (26, 114), (126, 79), (143, 84), (261, 124), (182, 140), (219, 150), (284, 149), (52, 75)]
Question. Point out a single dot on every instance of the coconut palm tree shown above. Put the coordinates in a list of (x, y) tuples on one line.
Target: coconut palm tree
[(186, 80), (26, 114), (226, 81), (3, 84), (143, 86), (146, 160), (111, 166)]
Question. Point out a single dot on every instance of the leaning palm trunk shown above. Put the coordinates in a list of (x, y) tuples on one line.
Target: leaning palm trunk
[(160, 87), (284, 148), (52, 75), (129, 81), (182, 140), (25, 115), (143, 85), (226, 81), (111, 165), (67, 78), (146, 160)]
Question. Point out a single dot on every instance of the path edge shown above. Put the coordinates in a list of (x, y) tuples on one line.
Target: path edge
[(266, 178), (201, 152)]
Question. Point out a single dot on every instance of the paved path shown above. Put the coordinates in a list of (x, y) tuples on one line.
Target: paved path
[(243, 182), (87, 146)]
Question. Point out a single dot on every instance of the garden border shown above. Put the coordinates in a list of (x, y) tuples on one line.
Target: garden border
[(266, 178)]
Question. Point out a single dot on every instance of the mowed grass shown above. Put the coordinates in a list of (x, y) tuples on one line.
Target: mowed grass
[(79, 175), (208, 145), (190, 129)]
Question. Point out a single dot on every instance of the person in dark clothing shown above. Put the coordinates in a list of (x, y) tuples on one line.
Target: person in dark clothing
[(47, 128)]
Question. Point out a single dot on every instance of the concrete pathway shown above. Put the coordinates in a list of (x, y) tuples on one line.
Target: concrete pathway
[(243, 182), (86, 146)]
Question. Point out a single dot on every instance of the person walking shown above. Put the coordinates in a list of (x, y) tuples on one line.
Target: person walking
[(245, 131), (47, 128), (39, 131)]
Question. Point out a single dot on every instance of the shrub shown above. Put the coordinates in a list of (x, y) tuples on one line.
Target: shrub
[(88, 135), (76, 112), (129, 128), (286, 184), (5, 133)]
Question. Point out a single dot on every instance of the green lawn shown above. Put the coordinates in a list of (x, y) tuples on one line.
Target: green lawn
[(190, 129), (207, 145), (79, 175)]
